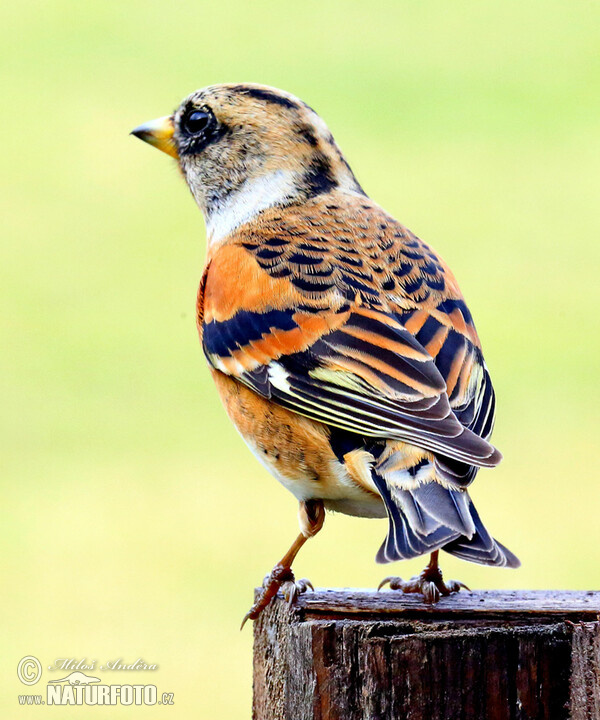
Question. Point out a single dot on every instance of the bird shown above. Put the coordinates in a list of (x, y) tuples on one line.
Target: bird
[(339, 342)]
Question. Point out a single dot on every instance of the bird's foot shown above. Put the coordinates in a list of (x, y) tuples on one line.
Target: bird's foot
[(430, 584), (292, 588), (280, 577)]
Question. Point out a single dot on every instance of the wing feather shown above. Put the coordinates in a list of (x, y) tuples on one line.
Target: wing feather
[(351, 383), (355, 323)]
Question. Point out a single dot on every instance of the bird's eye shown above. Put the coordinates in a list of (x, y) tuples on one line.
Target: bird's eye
[(197, 121)]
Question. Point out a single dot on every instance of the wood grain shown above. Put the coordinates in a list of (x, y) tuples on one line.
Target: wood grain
[(355, 654)]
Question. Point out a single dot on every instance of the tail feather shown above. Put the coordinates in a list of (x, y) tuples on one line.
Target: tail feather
[(448, 506), (413, 529), (402, 542), (482, 548), (429, 517)]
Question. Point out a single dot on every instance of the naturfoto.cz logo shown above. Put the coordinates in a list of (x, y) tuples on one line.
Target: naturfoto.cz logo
[(79, 688)]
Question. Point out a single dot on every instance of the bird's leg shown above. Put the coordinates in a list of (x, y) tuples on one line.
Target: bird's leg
[(430, 583), (311, 516)]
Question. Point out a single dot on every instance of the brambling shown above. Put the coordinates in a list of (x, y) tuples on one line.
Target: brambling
[(339, 342)]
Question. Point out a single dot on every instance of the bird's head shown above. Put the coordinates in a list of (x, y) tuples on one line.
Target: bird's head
[(243, 148)]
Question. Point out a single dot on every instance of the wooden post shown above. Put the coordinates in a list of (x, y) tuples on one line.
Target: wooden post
[(354, 654)]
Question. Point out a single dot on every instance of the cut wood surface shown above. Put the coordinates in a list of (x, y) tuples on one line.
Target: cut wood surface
[(493, 655)]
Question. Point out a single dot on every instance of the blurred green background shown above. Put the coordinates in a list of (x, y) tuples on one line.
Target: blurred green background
[(135, 521)]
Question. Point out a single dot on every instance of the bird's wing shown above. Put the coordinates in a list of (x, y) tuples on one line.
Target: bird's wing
[(310, 328)]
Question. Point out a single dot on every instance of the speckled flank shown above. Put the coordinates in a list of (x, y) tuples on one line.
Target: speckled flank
[(296, 451)]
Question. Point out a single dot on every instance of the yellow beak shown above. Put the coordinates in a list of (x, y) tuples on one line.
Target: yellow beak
[(159, 133)]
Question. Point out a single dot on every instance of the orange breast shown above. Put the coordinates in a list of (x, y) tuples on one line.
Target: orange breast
[(292, 446)]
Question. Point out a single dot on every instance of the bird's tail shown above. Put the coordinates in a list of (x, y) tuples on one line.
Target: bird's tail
[(482, 548), (429, 517)]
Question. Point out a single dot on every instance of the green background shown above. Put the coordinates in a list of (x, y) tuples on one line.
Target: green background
[(135, 522)]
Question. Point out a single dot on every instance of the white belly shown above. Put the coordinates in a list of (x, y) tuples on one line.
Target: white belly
[(340, 493)]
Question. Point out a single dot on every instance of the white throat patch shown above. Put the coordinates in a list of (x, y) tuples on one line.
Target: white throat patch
[(243, 204)]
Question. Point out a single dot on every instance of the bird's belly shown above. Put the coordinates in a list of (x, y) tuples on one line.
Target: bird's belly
[(295, 450)]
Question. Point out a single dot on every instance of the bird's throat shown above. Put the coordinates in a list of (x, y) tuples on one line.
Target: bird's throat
[(243, 204)]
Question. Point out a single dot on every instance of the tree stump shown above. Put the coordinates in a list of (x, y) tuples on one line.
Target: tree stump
[(355, 654)]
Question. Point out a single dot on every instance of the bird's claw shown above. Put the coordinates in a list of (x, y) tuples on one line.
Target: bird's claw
[(385, 581), (279, 578), (455, 586), (430, 584), (291, 589)]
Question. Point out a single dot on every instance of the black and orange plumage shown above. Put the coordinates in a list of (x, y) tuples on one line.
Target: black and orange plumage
[(340, 343)]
